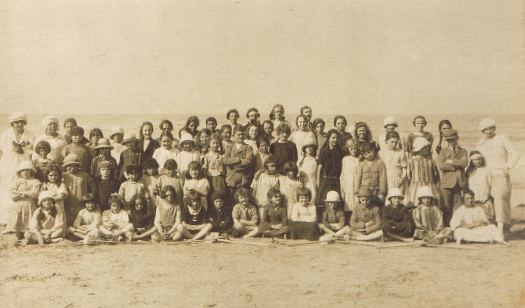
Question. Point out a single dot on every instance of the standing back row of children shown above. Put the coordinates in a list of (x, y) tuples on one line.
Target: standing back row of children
[(259, 159)]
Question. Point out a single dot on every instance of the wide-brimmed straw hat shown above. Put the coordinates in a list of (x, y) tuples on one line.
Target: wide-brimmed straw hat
[(25, 165), (332, 196), (424, 191), (17, 116), (103, 143)]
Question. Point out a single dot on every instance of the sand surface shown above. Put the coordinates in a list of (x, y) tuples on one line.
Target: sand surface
[(234, 275)]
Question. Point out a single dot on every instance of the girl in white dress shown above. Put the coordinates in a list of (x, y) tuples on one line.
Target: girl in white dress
[(348, 170)]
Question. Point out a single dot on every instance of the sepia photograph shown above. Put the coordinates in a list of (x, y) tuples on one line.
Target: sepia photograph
[(291, 153)]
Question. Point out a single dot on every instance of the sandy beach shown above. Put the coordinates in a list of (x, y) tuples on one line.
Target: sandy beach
[(234, 275)]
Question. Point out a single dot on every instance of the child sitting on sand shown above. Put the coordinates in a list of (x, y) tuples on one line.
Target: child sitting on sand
[(428, 218), (396, 218), (46, 224), (87, 222), (365, 222), (141, 221), (245, 215), (194, 221), (303, 219), (220, 214), (333, 221), (167, 216), (274, 218), (115, 221), (470, 223)]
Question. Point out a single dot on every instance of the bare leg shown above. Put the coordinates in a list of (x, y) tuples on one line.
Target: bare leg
[(145, 234), (252, 233), (203, 232)]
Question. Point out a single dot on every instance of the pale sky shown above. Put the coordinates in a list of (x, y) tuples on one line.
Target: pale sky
[(207, 56)]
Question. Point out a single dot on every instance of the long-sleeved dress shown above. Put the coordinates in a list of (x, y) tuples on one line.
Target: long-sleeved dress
[(348, 173), (22, 209), (308, 174), (421, 171), (395, 162), (471, 224), (79, 184), (480, 181)]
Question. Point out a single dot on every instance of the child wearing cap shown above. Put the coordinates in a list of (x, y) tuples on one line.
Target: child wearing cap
[(132, 188), (165, 151), (141, 220), (333, 221), (167, 215), (365, 222), (245, 215), (115, 221), (46, 224), (24, 193), (265, 180), (479, 181), (371, 173), (421, 171), (54, 185), (274, 217), (78, 183), (396, 218), (308, 167), (290, 184), (470, 223), (187, 153), (220, 213), (103, 154), (116, 137), (105, 184), (303, 219), (451, 161), (195, 224), (171, 178), (87, 222), (390, 125), (428, 218), (130, 156), (78, 147)]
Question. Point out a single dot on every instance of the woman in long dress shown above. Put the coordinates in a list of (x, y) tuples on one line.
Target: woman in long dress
[(15, 144)]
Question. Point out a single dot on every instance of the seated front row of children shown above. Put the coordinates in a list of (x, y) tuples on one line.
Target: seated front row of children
[(192, 220)]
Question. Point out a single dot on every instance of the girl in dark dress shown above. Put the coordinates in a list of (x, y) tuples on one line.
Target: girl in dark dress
[(330, 163)]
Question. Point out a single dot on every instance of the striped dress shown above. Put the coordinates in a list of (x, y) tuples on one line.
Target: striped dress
[(421, 171)]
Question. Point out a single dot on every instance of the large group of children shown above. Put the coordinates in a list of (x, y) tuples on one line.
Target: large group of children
[(262, 178)]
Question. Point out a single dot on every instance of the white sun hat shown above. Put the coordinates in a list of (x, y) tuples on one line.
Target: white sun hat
[(486, 123)]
